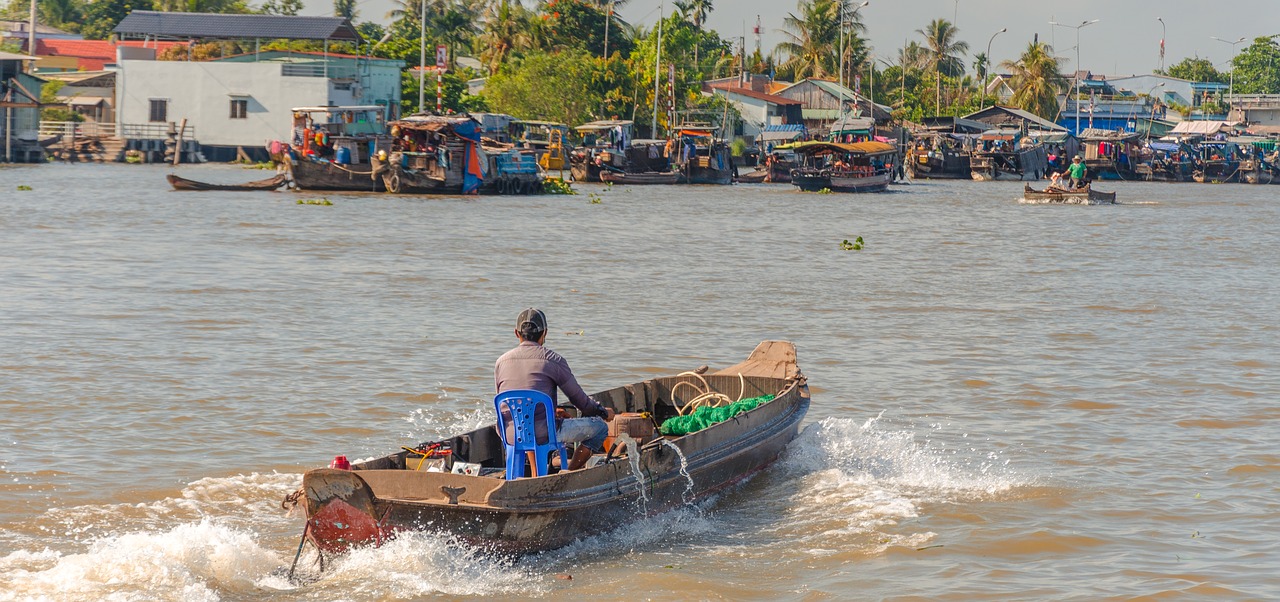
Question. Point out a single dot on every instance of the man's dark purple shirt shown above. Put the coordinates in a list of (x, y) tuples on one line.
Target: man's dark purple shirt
[(531, 366)]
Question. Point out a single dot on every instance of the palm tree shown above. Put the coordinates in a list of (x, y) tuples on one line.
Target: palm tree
[(809, 38), (694, 11), (506, 30), (912, 56), (345, 9), (943, 52), (1037, 79)]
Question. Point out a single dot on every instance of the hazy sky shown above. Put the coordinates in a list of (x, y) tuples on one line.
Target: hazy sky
[(1125, 41)]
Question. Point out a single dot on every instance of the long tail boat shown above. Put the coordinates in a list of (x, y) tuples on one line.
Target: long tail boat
[(650, 177), (463, 490), (180, 183)]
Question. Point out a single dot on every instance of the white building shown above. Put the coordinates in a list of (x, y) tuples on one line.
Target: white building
[(244, 101)]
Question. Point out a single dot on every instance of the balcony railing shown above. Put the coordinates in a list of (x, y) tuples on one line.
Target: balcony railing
[(127, 131)]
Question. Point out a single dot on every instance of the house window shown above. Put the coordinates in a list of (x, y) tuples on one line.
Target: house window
[(239, 108), (159, 110)]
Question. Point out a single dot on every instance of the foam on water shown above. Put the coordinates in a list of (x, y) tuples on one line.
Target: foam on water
[(198, 561), (842, 483)]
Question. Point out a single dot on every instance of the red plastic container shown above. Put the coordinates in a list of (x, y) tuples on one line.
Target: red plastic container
[(340, 463)]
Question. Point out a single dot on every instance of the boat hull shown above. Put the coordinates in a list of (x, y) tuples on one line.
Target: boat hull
[(374, 502), (180, 183), (1087, 196), (671, 177), (814, 182), (309, 175)]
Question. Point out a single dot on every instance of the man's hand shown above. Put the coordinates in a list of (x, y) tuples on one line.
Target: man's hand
[(609, 414), (562, 413)]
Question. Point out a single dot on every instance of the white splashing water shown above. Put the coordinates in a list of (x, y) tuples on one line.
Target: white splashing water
[(846, 486), (841, 487), (187, 562)]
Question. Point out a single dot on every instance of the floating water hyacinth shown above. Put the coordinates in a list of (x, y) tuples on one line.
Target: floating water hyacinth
[(594, 199), (24, 188), (856, 245), (825, 191), (324, 202)]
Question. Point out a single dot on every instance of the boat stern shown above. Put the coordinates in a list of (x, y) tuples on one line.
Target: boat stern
[(341, 512)]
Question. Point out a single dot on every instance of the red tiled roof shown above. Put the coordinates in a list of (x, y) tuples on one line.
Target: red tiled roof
[(332, 55), (749, 93), (92, 55)]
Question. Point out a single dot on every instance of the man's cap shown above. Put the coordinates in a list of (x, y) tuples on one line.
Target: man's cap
[(1077, 158), (534, 318)]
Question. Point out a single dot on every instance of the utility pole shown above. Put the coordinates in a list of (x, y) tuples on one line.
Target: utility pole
[(422, 61), (657, 66)]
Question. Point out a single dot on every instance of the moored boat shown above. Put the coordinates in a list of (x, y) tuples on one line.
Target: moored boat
[(463, 490), (339, 154), (181, 183), (650, 177), (701, 157), (838, 167), (1070, 196), (1004, 154)]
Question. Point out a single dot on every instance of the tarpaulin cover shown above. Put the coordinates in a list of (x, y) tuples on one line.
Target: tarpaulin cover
[(475, 161), (1167, 147), (706, 416)]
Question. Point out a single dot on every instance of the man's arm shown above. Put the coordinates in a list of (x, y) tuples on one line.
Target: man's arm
[(565, 380)]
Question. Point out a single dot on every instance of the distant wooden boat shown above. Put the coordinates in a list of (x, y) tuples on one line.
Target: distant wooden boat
[(648, 177), (753, 177), (180, 183), (1077, 196)]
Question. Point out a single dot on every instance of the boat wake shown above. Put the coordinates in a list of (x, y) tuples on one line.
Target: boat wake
[(842, 489)]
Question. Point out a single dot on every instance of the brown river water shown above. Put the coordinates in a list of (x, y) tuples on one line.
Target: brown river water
[(1010, 401)]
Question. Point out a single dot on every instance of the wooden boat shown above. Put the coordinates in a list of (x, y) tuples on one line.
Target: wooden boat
[(841, 167), (375, 500), (753, 177), (938, 156), (1008, 155), (344, 157), (1076, 196), (180, 183), (702, 158), (651, 177)]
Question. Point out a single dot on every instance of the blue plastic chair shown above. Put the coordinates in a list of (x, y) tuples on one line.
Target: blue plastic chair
[(527, 423)]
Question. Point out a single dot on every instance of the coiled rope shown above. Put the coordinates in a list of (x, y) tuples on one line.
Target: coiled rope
[(705, 394)]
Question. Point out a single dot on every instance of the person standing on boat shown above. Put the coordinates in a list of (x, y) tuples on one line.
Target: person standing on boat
[(530, 366), (1077, 171)]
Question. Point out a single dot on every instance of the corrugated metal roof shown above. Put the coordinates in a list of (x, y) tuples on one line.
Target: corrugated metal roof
[(218, 26), (1021, 114)]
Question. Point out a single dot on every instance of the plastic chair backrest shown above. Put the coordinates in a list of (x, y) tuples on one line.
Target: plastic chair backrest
[(526, 422)]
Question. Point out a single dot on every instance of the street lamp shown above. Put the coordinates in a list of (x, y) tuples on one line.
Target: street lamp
[(1161, 20), (1077, 86), (1232, 90), (987, 72)]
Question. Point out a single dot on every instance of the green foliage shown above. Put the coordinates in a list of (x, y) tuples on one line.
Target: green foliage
[(1196, 70), (594, 199), (454, 97), (569, 87), (737, 147), (102, 16), (557, 186), (1036, 80), (811, 40), (1257, 68), (282, 7), (856, 245), (24, 188), (347, 10), (575, 24), (322, 202)]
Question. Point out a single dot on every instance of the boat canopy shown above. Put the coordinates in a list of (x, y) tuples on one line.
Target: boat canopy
[(1165, 147), (607, 124), (856, 148), (786, 131), (694, 133)]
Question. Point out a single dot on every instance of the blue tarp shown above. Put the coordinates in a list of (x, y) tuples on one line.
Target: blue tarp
[(474, 165), (1167, 147)]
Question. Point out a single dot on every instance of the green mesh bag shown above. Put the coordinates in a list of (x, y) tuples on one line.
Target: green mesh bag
[(706, 416)]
